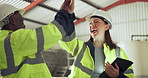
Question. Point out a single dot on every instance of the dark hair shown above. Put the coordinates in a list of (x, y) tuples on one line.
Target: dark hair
[(108, 39)]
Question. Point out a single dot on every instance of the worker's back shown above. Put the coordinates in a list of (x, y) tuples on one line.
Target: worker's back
[(15, 47)]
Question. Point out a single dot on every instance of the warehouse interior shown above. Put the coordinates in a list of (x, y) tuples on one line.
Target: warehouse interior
[(129, 29)]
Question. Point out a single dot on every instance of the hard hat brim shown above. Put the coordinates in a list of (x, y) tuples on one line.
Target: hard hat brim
[(21, 11), (88, 18)]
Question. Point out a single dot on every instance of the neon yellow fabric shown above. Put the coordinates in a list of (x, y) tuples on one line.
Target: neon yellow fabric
[(111, 56), (24, 44), (87, 59)]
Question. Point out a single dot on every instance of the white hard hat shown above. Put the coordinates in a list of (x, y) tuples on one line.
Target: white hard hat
[(100, 13), (6, 9)]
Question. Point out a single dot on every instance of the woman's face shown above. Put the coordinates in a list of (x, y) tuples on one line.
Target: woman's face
[(97, 26)]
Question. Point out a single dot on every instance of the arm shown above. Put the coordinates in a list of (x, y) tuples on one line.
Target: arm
[(70, 43), (64, 21), (73, 47), (26, 40)]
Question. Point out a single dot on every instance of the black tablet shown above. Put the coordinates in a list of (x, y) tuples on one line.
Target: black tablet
[(122, 63)]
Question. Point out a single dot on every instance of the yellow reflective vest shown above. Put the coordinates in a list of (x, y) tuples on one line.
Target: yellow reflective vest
[(20, 55), (83, 66)]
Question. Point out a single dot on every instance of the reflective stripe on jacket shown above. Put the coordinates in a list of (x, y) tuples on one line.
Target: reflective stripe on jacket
[(20, 50), (83, 66)]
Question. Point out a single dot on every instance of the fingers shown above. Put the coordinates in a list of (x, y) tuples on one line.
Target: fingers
[(72, 1), (67, 1), (110, 70), (68, 5), (116, 66), (65, 4), (109, 66), (71, 7)]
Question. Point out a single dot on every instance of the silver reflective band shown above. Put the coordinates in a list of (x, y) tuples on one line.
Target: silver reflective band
[(40, 47), (69, 38), (64, 37), (118, 51), (84, 69), (60, 27), (40, 39), (79, 58), (129, 71), (76, 49), (10, 59)]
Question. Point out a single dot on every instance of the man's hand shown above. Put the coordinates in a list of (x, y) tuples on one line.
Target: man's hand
[(68, 5), (111, 71)]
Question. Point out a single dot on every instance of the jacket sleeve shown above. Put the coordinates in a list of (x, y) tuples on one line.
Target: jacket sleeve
[(129, 72), (69, 42), (26, 41), (73, 47)]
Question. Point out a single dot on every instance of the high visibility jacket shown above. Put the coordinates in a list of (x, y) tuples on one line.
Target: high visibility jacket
[(20, 55), (83, 66)]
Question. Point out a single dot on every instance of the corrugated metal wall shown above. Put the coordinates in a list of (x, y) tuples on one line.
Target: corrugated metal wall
[(130, 19)]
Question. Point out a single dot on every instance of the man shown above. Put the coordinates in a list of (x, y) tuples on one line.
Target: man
[(20, 48)]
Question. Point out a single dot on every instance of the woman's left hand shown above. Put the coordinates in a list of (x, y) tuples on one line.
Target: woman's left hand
[(111, 71)]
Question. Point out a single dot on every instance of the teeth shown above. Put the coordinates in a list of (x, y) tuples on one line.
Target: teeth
[(93, 29)]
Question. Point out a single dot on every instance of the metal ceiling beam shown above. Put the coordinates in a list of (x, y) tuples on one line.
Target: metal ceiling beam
[(121, 2), (90, 3), (32, 4), (51, 8), (30, 20), (38, 3), (48, 7)]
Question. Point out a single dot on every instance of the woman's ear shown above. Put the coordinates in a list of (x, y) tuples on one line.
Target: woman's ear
[(107, 26)]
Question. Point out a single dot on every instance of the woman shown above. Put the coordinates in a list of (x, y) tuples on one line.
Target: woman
[(96, 55)]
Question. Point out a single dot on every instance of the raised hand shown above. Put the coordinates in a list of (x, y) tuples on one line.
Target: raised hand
[(68, 5)]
